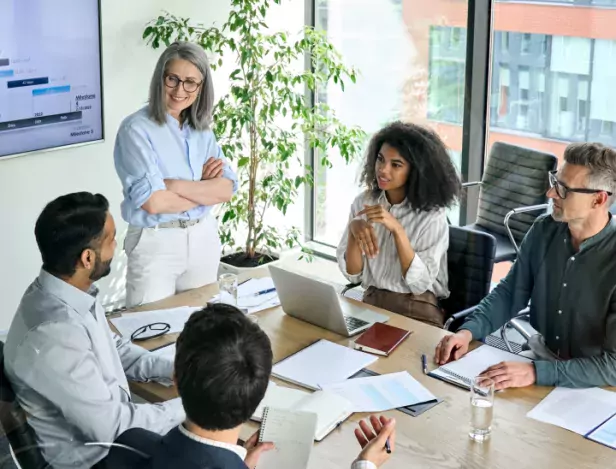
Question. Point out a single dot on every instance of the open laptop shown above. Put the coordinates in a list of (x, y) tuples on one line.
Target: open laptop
[(318, 303)]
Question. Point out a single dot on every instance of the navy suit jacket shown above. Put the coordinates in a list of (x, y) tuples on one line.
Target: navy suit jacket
[(173, 450)]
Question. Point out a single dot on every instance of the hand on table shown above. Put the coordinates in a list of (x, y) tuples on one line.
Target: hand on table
[(452, 347), (511, 375)]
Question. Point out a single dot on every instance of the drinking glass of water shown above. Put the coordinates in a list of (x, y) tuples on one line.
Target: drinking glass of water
[(227, 286), (482, 405)]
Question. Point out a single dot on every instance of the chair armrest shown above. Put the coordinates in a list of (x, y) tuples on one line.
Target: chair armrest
[(515, 211), (457, 316), (348, 287), (516, 324), (466, 185)]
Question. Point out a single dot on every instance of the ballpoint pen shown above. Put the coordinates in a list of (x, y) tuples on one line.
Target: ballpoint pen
[(424, 364), (264, 292), (387, 447)]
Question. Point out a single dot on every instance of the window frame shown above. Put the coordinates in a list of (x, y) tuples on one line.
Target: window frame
[(475, 118)]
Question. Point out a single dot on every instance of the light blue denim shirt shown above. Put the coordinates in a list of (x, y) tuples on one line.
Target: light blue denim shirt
[(147, 153)]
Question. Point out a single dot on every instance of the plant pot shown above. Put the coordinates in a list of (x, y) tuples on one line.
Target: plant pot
[(237, 262)]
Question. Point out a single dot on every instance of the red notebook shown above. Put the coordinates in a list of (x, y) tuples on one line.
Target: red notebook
[(381, 339)]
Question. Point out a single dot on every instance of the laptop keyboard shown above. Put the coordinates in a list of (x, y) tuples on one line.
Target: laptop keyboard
[(354, 323)]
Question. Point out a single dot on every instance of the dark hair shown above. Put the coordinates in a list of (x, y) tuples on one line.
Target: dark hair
[(66, 227), (222, 367), (433, 180)]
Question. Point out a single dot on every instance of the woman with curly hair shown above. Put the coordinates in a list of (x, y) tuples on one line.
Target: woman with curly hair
[(396, 241)]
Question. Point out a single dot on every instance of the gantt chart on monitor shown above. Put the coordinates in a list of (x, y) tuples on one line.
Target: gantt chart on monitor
[(50, 74)]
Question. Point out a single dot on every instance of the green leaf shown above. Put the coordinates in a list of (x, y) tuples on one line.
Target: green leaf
[(244, 160)]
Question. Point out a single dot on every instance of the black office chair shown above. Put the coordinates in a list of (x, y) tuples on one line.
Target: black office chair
[(513, 195), (470, 261), (13, 420)]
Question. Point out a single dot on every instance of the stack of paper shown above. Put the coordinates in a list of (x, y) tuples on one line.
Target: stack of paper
[(175, 317), (577, 410), (320, 364), (248, 296), (381, 393)]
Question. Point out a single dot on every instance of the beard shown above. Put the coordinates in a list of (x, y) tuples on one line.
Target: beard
[(101, 269)]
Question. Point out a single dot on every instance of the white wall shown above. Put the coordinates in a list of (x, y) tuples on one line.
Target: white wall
[(28, 183)]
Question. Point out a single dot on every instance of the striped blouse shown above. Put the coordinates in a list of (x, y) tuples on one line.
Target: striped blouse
[(428, 233)]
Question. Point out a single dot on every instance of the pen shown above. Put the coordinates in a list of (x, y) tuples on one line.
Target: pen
[(424, 364), (387, 447), (264, 292)]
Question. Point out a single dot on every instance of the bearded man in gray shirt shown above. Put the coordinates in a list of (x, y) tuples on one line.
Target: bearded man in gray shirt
[(68, 370)]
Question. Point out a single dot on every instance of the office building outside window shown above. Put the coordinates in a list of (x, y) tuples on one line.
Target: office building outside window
[(552, 74), (391, 46)]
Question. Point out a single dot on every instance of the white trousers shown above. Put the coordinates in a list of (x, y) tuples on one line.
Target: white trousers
[(166, 261)]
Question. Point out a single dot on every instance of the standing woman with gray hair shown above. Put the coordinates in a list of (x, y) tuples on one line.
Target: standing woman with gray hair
[(173, 172)]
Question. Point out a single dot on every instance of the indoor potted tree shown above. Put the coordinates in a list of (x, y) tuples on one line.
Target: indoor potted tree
[(266, 119)]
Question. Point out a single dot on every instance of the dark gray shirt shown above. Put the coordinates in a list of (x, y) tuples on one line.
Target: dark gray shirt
[(69, 374), (572, 303)]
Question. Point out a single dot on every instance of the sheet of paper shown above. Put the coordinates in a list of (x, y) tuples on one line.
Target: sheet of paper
[(605, 434), (175, 317), (246, 295), (478, 360), (577, 410), (322, 363), (381, 393), (167, 351), (292, 433)]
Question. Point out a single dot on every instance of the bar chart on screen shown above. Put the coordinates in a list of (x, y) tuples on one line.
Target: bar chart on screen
[(50, 74)]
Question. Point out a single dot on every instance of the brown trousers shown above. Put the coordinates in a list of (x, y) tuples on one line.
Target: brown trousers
[(422, 307)]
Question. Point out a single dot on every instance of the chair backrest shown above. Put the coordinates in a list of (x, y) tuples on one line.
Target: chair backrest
[(514, 177), (13, 420), (470, 260)]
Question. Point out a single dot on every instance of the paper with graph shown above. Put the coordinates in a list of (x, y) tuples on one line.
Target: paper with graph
[(381, 393)]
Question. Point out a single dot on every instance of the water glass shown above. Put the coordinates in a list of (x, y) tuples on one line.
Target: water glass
[(482, 405), (227, 286)]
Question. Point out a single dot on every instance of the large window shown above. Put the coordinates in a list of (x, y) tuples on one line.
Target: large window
[(410, 69), (549, 83), (553, 69)]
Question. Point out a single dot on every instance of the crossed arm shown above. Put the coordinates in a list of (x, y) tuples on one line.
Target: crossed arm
[(181, 195)]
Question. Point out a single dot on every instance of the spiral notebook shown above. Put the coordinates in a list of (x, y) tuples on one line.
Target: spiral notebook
[(463, 371), (330, 408), (292, 433)]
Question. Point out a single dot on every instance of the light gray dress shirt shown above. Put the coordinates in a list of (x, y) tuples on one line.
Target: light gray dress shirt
[(69, 372), (428, 233)]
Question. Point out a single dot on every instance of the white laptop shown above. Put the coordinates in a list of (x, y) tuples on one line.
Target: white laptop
[(318, 303)]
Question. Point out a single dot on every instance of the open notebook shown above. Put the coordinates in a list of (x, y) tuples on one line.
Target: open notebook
[(330, 408), (463, 371), (291, 432)]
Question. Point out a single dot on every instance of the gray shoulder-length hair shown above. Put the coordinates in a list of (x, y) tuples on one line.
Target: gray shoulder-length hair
[(199, 115)]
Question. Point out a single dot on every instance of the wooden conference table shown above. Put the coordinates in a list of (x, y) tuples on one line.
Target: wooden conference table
[(436, 439)]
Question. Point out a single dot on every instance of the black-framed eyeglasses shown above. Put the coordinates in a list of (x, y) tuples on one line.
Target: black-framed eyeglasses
[(190, 86), (562, 189), (150, 331)]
